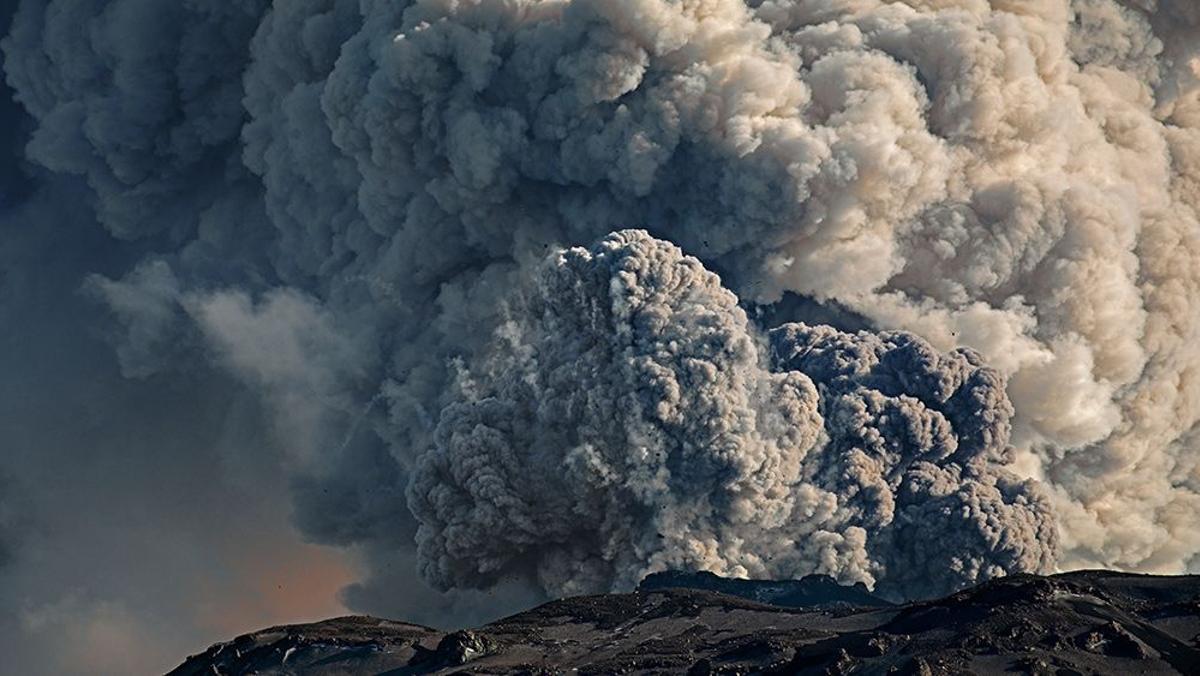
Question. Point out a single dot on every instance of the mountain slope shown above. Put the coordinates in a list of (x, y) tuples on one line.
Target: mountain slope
[(1087, 622)]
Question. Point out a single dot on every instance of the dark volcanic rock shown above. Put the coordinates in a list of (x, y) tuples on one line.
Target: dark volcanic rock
[(341, 646), (1077, 623)]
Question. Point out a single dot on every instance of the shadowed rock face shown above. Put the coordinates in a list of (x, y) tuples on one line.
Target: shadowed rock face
[(1077, 623)]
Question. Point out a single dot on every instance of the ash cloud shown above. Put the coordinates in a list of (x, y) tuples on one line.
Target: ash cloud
[(631, 421), (918, 454), (626, 423), (375, 187)]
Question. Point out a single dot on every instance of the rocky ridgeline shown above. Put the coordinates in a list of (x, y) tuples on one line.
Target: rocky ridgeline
[(1080, 623)]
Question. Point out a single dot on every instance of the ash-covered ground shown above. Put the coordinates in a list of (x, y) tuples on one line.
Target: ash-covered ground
[(1091, 622)]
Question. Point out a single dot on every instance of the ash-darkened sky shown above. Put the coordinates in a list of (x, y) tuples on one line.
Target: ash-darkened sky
[(438, 309)]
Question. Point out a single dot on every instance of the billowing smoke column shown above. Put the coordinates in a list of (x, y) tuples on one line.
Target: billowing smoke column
[(374, 185), (628, 423), (917, 454)]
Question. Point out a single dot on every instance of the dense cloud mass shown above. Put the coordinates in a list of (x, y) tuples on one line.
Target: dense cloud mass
[(627, 423), (346, 205), (917, 455)]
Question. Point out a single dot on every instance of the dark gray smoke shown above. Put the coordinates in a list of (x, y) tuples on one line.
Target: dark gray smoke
[(919, 453), (626, 422), (340, 210)]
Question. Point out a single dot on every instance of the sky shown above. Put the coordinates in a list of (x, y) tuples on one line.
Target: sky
[(132, 538), (435, 309)]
